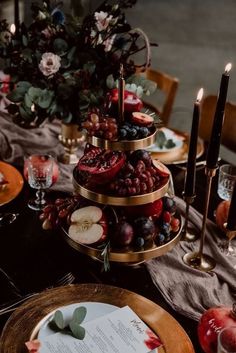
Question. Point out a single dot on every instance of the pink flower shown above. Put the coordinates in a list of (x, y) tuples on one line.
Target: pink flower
[(49, 64), (102, 20), (153, 340)]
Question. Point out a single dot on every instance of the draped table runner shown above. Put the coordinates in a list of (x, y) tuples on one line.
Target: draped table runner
[(17, 143), (187, 290), (190, 291)]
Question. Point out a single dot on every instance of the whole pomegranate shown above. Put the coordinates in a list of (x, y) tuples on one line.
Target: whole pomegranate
[(210, 324)]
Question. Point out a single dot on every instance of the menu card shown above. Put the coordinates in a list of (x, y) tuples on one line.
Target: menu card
[(120, 331)]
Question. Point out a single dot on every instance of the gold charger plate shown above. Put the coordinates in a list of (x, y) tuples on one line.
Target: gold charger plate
[(22, 322), (179, 155), (15, 183)]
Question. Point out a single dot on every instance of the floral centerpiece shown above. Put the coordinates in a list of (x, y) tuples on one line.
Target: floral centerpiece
[(62, 67)]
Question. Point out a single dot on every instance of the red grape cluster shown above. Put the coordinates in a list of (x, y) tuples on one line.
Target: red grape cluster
[(103, 127), (55, 214), (138, 176)]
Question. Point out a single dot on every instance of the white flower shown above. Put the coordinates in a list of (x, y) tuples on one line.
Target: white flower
[(49, 64), (108, 43), (102, 20)]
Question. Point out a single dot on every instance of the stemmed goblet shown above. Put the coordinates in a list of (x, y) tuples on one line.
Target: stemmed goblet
[(40, 172), (227, 191)]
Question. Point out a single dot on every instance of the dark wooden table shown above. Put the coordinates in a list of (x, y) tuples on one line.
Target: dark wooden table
[(35, 258)]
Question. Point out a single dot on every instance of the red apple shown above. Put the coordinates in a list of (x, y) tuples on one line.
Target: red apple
[(88, 225), (222, 214), (55, 171), (211, 322), (131, 102), (152, 209)]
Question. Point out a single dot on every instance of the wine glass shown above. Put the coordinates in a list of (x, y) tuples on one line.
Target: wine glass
[(227, 191), (40, 172)]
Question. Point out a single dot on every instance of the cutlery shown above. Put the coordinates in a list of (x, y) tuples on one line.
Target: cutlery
[(68, 278), (7, 218)]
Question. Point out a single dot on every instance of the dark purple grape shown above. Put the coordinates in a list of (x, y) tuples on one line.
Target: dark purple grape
[(144, 227)]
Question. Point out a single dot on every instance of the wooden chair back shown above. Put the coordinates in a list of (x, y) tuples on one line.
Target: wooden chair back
[(168, 85), (228, 137)]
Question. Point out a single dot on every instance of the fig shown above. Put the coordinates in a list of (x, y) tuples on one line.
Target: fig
[(142, 119), (123, 234)]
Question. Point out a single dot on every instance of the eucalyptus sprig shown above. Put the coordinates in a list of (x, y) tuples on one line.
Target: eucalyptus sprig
[(105, 255), (74, 327), (163, 142)]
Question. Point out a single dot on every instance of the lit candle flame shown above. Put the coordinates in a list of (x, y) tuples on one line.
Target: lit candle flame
[(200, 95), (228, 67), (13, 28)]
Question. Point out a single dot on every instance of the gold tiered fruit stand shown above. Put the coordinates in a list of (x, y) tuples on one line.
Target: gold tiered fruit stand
[(128, 255)]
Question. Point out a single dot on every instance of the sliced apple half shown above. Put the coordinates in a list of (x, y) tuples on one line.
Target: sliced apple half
[(88, 225)]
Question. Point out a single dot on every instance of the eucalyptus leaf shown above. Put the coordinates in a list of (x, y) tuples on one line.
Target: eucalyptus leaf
[(45, 99), (25, 114), (24, 40), (160, 139), (59, 320), (24, 85), (60, 46), (79, 314), (90, 67), (110, 82), (28, 101), (170, 143), (17, 95), (71, 53), (35, 93), (77, 330)]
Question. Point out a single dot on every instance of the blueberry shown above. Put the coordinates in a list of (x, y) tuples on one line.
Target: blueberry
[(123, 133), (161, 238), (139, 242), (165, 228), (133, 132), (144, 131)]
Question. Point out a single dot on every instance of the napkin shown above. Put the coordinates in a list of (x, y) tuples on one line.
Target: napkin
[(17, 143), (190, 291)]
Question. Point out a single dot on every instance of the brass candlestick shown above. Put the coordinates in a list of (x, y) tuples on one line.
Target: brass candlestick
[(199, 260), (187, 233)]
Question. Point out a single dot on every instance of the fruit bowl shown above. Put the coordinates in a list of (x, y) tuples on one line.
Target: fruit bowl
[(128, 255), (106, 199), (123, 145)]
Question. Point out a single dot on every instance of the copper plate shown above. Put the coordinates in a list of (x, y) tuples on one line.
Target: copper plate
[(125, 145), (20, 325), (130, 256), (15, 183), (121, 201), (178, 155)]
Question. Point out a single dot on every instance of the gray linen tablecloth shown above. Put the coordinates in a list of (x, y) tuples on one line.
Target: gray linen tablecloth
[(191, 291)]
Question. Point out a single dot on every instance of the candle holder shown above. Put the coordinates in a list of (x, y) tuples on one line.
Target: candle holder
[(188, 234), (198, 260)]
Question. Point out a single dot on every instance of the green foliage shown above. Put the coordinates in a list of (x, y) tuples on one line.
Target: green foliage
[(81, 65), (73, 327)]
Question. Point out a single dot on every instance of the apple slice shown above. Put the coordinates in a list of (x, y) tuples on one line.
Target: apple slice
[(142, 119), (88, 225), (162, 170)]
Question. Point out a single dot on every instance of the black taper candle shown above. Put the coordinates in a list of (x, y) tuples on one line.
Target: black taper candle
[(214, 143), (16, 15), (231, 222), (189, 186)]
